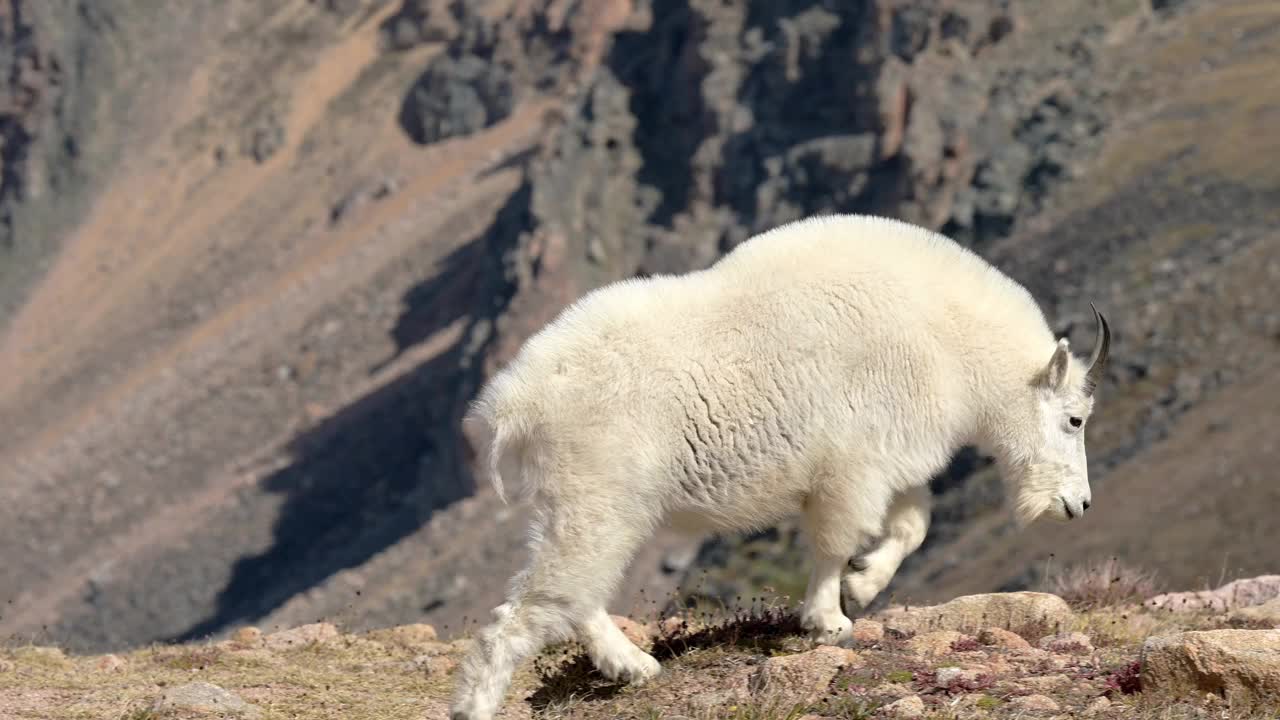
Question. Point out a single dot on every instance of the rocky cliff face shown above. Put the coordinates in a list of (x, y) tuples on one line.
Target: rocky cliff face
[(286, 245)]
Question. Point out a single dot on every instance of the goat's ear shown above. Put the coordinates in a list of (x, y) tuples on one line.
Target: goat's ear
[(1059, 364)]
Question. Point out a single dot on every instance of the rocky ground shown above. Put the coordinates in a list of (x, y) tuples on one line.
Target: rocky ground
[(1014, 655), (255, 259)]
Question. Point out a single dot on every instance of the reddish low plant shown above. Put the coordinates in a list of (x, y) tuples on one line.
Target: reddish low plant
[(1125, 680)]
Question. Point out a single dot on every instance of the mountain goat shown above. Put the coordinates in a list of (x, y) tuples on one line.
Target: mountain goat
[(827, 368)]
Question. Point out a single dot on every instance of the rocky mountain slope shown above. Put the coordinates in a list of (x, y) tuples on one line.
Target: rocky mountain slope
[(255, 260)]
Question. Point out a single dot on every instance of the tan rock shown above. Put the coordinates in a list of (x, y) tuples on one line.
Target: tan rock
[(1246, 592), (434, 665), (1241, 665), (415, 635), (1035, 704), (301, 636), (1001, 638), (1072, 643), (1031, 614), (907, 708), (638, 633), (1098, 707), (672, 625), (110, 663), (867, 632), (7, 665), (248, 636), (934, 643), (1268, 613), (804, 676), (963, 676), (204, 698)]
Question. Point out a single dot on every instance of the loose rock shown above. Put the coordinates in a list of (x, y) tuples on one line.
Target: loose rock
[(1246, 592), (1025, 613), (203, 697), (640, 634), (1097, 707), (248, 636), (110, 663), (1035, 703), (434, 665), (410, 636), (1267, 613), (1001, 638), (317, 633), (867, 632), (910, 706), (806, 675), (934, 643), (1241, 665)]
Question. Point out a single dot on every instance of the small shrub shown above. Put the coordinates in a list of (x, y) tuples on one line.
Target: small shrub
[(1126, 680), (1105, 584), (965, 644)]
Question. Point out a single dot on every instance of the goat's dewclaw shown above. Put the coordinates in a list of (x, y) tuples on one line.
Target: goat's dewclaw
[(826, 369)]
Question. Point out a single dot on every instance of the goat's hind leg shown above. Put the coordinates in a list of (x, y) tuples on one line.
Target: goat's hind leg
[(522, 626), (572, 572)]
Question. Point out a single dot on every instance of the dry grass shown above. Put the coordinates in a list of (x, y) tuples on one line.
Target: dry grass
[(1109, 583), (349, 678)]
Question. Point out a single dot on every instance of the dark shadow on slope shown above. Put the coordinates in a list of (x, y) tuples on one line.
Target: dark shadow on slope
[(380, 468), (664, 72)]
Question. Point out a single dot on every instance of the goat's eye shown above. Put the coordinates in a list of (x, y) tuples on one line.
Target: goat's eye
[(1076, 422)]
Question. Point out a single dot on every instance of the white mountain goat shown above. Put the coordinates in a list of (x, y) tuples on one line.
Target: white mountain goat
[(827, 368)]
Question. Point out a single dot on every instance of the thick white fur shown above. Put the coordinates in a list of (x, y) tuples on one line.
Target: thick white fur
[(827, 368)]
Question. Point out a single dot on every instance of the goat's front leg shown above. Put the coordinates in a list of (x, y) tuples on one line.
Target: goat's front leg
[(838, 518), (904, 528), (822, 615)]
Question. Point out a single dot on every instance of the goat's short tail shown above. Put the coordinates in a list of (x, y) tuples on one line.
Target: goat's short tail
[(504, 431)]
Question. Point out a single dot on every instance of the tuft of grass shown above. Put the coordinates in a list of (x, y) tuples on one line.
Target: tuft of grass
[(988, 702), (190, 658), (848, 707), (565, 675), (1109, 583), (899, 676), (760, 629)]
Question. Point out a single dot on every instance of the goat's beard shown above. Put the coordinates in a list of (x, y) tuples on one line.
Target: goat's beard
[(1038, 488)]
